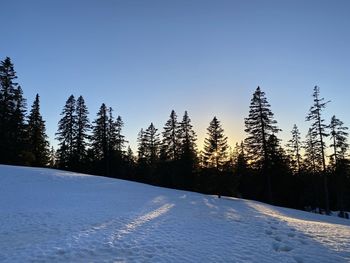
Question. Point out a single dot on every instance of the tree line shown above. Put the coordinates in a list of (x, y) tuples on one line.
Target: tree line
[(298, 174)]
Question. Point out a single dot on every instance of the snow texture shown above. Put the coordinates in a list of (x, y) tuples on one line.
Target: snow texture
[(56, 216)]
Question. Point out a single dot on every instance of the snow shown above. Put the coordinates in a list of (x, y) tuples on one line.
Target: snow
[(54, 216)]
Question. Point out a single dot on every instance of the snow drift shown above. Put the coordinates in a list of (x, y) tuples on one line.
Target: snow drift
[(56, 216)]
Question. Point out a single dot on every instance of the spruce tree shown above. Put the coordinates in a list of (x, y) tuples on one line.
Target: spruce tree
[(215, 146), (260, 125), (12, 115), (111, 133), (142, 147), (66, 134), (294, 149), (312, 157), (100, 137), (120, 143), (152, 141), (339, 138), (129, 157), (37, 138), (82, 128), (340, 146), (318, 127), (187, 137), (53, 158), (170, 142)]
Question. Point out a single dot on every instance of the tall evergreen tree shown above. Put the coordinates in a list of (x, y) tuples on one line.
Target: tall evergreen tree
[(318, 127), (12, 115), (151, 137), (215, 146), (142, 147), (188, 138), (294, 148), (37, 138), (111, 133), (100, 138), (312, 157), (66, 134), (340, 146), (339, 137), (130, 158), (170, 142), (121, 141), (82, 128), (260, 125), (53, 158), (19, 126)]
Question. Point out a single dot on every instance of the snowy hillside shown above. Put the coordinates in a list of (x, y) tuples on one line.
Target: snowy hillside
[(56, 216)]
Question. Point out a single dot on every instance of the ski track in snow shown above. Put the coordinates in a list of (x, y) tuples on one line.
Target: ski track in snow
[(54, 216)]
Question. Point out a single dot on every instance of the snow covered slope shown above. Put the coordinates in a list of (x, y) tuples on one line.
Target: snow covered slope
[(56, 216)]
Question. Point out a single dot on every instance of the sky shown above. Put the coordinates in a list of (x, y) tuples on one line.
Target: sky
[(146, 58)]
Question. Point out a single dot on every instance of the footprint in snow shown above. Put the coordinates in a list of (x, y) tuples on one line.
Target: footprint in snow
[(281, 247), (278, 238), (268, 232), (291, 234)]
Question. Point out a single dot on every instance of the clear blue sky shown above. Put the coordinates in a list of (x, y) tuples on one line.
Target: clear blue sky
[(145, 58)]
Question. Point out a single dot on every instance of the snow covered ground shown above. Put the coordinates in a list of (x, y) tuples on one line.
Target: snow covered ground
[(56, 216)]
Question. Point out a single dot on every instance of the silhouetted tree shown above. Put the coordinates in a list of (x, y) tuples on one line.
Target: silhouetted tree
[(12, 115), (142, 147), (260, 125), (339, 137), (294, 149), (53, 157), (148, 154), (170, 143), (312, 156), (116, 145), (188, 152), (319, 129), (121, 141), (66, 134), (215, 146), (82, 128), (37, 138), (100, 140), (153, 144)]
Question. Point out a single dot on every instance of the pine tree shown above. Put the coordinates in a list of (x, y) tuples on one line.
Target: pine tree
[(339, 140), (239, 161), (260, 125), (142, 147), (215, 146), (120, 143), (82, 128), (53, 157), (170, 142), (12, 115), (319, 129), (100, 134), (66, 134), (111, 133), (187, 137), (152, 140), (294, 148), (312, 157), (130, 158), (37, 138)]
